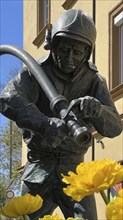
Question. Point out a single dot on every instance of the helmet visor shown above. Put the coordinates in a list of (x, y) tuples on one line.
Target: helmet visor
[(74, 37)]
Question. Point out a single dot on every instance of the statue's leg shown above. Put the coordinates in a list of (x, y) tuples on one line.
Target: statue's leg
[(45, 191), (85, 209)]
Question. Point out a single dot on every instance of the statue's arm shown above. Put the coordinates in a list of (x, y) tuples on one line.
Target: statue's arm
[(18, 100), (108, 123)]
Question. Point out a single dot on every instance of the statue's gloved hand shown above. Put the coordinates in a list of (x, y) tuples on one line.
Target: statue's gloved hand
[(88, 107), (55, 132), (52, 129)]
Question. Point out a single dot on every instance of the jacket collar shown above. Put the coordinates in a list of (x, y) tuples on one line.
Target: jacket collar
[(80, 71)]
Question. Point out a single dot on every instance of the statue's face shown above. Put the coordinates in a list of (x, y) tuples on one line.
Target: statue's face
[(69, 54)]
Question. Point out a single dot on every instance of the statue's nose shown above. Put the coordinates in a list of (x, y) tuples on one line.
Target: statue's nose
[(70, 54)]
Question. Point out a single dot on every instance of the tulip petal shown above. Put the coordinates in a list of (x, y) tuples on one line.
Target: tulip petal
[(22, 205), (92, 177)]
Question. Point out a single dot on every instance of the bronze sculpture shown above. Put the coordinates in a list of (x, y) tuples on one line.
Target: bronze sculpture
[(67, 66)]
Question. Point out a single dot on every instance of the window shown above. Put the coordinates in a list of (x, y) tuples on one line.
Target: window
[(42, 14), (116, 47), (43, 20), (113, 191)]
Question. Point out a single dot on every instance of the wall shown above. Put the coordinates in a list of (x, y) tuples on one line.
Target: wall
[(112, 147)]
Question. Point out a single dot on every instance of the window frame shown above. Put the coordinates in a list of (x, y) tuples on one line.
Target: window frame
[(41, 21), (118, 21), (41, 31), (114, 68)]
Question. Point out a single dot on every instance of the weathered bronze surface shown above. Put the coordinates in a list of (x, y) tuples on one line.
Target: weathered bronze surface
[(52, 149)]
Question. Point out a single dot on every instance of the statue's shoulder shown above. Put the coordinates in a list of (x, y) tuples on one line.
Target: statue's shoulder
[(97, 75), (92, 66)]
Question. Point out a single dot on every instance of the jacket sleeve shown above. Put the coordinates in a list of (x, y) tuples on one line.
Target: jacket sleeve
[(17, 102), (108, 123)]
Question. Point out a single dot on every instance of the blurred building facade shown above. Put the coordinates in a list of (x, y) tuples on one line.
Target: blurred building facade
[(108, 57)]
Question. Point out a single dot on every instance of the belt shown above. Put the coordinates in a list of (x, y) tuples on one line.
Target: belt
[(35, 157), (60, 157)]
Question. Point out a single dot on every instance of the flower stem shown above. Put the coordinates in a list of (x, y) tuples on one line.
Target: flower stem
[(104, 197), (26, 217)]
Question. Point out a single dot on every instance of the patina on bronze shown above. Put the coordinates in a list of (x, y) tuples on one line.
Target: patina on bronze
[(75, 78), (58, 103)]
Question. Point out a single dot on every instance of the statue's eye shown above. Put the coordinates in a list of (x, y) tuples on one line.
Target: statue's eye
[(64, 50), (77, 52)]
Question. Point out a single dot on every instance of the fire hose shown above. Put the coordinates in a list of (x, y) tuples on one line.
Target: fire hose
[(58, 103)]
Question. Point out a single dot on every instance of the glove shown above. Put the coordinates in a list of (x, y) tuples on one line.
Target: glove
[(52, 129), (55, 132), (88, 107)]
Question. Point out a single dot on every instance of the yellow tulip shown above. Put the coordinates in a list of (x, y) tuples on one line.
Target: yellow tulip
[(56, 217), (70, 218), (22, 205), (92, 177), (114, 211), (50, 217)]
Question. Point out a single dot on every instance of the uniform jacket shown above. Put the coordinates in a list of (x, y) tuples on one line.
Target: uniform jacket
[(24, 101)]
